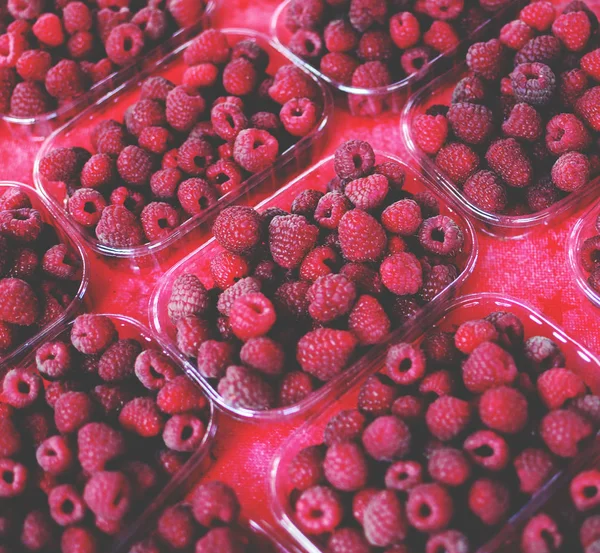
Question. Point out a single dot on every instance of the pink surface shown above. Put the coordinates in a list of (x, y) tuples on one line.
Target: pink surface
[(534, 269)]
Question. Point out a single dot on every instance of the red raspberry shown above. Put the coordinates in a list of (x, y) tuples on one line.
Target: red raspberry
[(590, 63), (584, 490), (360, 502), (291, 237), (124, 43), (304, 14), (318, 510), (59, 262), (573, 29), (252, 315), (353, 159), (507, 158), (243, 388), (376, 395), (295, 387), (368, 320), (503, 409), (214, 502), (143, 114), (516, 34), (98, 444), (135, 165), (565, 133), (291, 82), (153, 22), (458, 161), (66, 505), (263, 354), (405, 30), (92, 334), (524, 122), (540, 534), (330, 210), (375, 46), (299, 116), (489, 501), (118, 227), (384, 520), (28, 99), (430, 132), (211, 46), (572, 85), (442, 37), (227, 268), (240, 288), (33, 65), (405, 364), (488, 366), (429, 507), (439, 348), (345, 466), (183, 107), (545, 49), (10, 443), (59, 164), (588, 406), (188, 297), (403, 475), (153, 369), (237, 229), (196, 196), (449, 466), (204, 75), (48, 30), (53, 360), (563, 431), (184, 432), (159, 219), (141, 416), (471, 123), (571, 171), (451, 541), (14, 478), (353, 228), (387, 438), (345, 426), (77, 539), (543, 354), (330, 297), (440, 235), (118, 361), (65, 80), (72, 410), (239, 77), (347, 539), (306, 468), (586, 107), (401, 273), (325, 352), (306, 44), (180, 395), (255, 150), (176, 526), (108, 495), (319, 262), (534, 467), (191, 332), (38, 531), (77, 17), (213, 358), (486, 59), (21, 387), (437, 280), (472, 333), (590, 531), (557, 386), (228, 120), (533, 83), (447, 417), (487, 449), (412, 61), (539, 15), (24, 225), (340, 37), (30, 10), (439, 383), (98, 171)]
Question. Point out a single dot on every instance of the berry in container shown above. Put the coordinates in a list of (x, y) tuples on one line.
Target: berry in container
[(584, 253), (44, 270), (212, 120), (377, 52), (58, 60), (98, 424), (513, 135), (454, 435), (280, 306)]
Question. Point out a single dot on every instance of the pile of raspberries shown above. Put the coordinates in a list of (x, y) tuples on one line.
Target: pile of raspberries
[(90, 432), (39, 275), (374, 43), (455, 433), (295, 296), (52, 51), (181, 147), (206, 523), (589, 256), (583, 493), (523, 127)]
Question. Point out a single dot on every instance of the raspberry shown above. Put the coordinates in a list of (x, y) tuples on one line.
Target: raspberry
[(111, 398), (347, 539), (325, 352), (291, 82), (387, 438), (429, 507), (24, 225), (539, 15), (503, 409), (188, 297), (60, 263), (144, 114), (66, 505), (108, 495), (330, 297), (339, 36), (589, 532), (252, 315), (470, 89), (117, 362), (33, 65), (345, 426), (573, 29), (590, 63), (563, 431), (449, 466), (368, 320), (98, 171), (584, 490), (557, 386), (405, 364), (118, 227), (38, 531), (306, 468), (586, 107), (430, 132), (29, 10), (227, 268), (224, 175), (183, 107), (472, 333), (191, 332), (21, 388), (524, 122), (14, 478), (438, 279), (159, 219), (516, 34), (291, 237), (250, 50), (414, 60), (295, 387), (240, 288), (255, 150), (439, 383), (77, 539), (401, 273), (442, 37), (304, 14), (243, 388), (97, 71), (318, 510), (533, 83), (403, 475), (98, 444), (447, 417), (28, 99), (572, 85), (489, 501), (306, 44), (180, 395), (571, 171), (354, 159), (471, 123), (393, 172), (196, 196), (375, 46), (299, 116), (354, 227), (565, 133), (451, 541), (487, 449), (65, 80), (543, 354), (545, 49), (141, 416), (366, 279), (176, 526), (376, 395), (488, 366), (486, 59), (540, 534), (441, 235), (330, 210), (263, 354), (48, 30), (443, 9), (384, 520), (228, 120), (345, 466), (184, 432), (124, 43), (457, 161), (588, 406), (534, 467), (72, 410)]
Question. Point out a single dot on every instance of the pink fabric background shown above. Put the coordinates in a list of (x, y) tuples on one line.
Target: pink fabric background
[(534, 270)]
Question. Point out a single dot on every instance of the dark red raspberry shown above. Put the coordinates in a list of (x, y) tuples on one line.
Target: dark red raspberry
[(543, 354), (430, 132), (368, 320), (507, 158), (540, 533), (10, 443), (244, 388), (441, 235), (250, 50), (196, 196), (534, 467), (228, 120), (340, 36), (255, 149), (38, 531), (486, 59), (571, 171), (472, 123), (384, 520), (486, 191), (124, 43), (331, 209), (59, 262), (439, 348), (118, 361), (354, 159), (24, 225), (330, 297), (563, 431), (533, 83), (306, 468), (143, 114), (471, 89), (28, 99), (458, 161), (299, 116), (295, 386), (98, 444), (183, 106), (544, 49), (557, 386), (449, 466), (572, 84), (240, 288), (489, 501), (65, 80), (354, 228), (437, 280), (542, 195), (325, 352), (291, 237), (573, 29), (524, 122), (401, 273), (238, 229), (586, 107), (429, 508), (319, 510)]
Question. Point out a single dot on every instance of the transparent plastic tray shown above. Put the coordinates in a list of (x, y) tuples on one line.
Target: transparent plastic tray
[(197, 464), (50, 216), (439, 91), (198, 263), (447, 317), (112, 106), (40, 126), (584, 228), (392, 96)]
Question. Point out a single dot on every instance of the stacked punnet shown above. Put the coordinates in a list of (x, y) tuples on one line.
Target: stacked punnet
[(52, 52), (182, 146), (451, 438), (522, 130), (294, 297), (91, 429)]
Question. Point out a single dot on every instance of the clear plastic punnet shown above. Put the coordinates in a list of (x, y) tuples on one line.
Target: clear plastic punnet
[(446, 318), (52, 218), (586, 227), (197, 463), (38, 127), (198, 263), (372, 101), (112, 106)]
